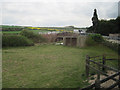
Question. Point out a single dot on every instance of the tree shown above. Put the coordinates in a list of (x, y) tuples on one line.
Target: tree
[(95, 21), (104, 27)]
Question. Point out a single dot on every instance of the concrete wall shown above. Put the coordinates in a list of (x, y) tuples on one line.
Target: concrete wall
[(78, 41), (81, 41), (70, 41)]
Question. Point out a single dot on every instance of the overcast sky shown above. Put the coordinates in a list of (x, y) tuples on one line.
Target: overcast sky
[(56, 13)]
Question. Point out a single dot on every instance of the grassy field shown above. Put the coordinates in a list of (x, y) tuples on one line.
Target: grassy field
[(17, 29), (35, 31), (47, 66), (11, 31)]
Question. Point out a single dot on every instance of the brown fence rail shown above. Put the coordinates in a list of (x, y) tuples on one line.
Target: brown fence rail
[(102, 64)]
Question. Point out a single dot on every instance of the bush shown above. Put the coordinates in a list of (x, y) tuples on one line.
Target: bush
[(94, 39), (15, 40), (36, 38), (90, 41), (97, 38), (27, 33)]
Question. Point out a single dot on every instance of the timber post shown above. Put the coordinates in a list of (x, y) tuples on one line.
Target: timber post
[(119, 71), (87, 65), (97, 82), (103, 62)]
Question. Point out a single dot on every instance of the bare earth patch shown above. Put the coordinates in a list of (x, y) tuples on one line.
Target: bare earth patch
[(107, 83)]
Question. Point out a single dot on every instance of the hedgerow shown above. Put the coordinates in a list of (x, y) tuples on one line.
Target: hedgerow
[(15, 40)]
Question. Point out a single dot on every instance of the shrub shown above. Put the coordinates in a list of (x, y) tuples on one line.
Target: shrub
[(94, 39), (97, 38), (90, 41), (36, 38), (27, 33), (15, 40)]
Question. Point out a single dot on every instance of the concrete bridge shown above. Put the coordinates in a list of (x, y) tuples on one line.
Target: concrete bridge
[(77, 41)]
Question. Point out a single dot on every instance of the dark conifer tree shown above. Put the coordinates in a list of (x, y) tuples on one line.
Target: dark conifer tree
[(95, 21)]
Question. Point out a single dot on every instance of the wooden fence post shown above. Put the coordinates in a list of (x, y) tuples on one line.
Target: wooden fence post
[(97, 82), (87, 65), (119, 82), (103, 62), (70, 41), (119, 71)]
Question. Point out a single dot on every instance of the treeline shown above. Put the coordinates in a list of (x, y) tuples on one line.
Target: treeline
[(106, 27), (11, 28)]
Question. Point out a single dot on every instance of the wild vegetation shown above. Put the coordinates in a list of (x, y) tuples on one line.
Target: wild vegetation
[(15, 40), (36, 38), (94, 39)]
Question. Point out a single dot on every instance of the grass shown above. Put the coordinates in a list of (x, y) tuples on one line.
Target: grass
[(11, 31), (47, 66)]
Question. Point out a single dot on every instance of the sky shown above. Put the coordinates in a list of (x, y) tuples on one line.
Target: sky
[(55, 13)]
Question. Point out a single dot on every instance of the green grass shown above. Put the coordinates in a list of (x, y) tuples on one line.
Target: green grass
[(11, 31), (47, 66)]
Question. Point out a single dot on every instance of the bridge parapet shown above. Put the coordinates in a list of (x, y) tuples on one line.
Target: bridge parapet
[(78, 41)]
